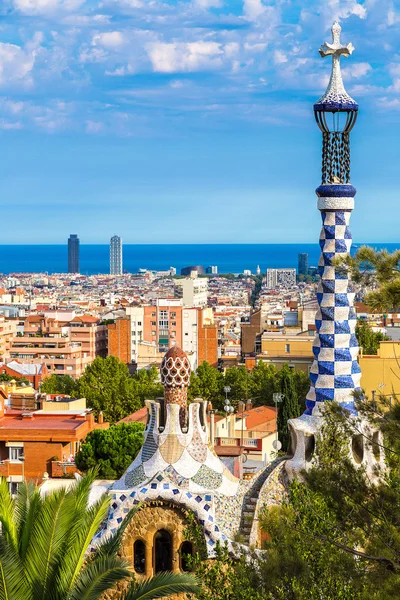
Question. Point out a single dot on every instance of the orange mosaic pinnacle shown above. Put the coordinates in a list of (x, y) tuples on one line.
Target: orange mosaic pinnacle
[(175, 377)]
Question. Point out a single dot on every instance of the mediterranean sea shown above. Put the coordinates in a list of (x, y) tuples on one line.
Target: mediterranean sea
[(229, 258)]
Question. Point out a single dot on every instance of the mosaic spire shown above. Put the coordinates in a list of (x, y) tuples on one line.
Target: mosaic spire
[(335, 373), (175, 377)]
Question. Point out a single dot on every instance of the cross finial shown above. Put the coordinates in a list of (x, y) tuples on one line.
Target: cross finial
[(336, 48), (336, 96)]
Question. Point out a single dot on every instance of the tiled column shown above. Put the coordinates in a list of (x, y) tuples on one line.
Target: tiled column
[(335, 373)]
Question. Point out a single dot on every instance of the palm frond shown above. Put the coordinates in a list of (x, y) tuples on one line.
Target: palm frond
[(99, 576), (83, 530), (7, 521), (161, 585), (27, 515), (13, 585)]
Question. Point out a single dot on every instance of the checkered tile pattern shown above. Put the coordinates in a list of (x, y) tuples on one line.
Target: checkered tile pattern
[(335, 372)]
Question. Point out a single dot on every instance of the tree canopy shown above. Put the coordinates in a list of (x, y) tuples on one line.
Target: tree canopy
[(59, 384), (368, 339), (289, 407), (111, 450)]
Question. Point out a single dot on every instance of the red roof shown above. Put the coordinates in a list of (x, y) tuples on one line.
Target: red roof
[(42, 427), (140, 416), (258, 416)]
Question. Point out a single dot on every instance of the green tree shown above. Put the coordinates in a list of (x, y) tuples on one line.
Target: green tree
[(147, 384), (107, 386), (44, 542), (379, 271), (238, 379), (111, 450), (207, 383), (368, 339), (263, 382), (58, 384), (289, 407)]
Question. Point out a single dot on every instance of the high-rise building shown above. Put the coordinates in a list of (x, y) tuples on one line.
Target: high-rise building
[(281, 277), (187, 270), (116, 255), (212, 270), (303, 264), (73, 254)]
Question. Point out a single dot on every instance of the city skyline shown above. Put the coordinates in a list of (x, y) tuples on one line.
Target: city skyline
[(202, 113)]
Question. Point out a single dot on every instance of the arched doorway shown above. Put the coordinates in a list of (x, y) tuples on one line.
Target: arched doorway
[(162, 549)]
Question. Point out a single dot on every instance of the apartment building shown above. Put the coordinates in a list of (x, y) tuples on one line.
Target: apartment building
[(65, 347), (280, 278), (147, 332), (193, 290), (7, 331)]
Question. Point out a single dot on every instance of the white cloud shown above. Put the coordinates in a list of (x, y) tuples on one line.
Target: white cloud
[(8, 125), (16, 63), (206, 4), (108, 39), (357, 70), (93, 126), (121, 71), (44, 7), (180, 57), (253, 9), (280, 57)]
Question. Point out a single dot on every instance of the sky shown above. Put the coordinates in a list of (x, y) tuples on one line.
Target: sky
[(189, 121)]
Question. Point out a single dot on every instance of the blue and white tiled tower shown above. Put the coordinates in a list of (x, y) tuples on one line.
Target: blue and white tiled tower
[(335, 374)]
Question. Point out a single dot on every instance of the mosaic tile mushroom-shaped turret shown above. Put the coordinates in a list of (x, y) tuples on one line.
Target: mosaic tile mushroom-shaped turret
[(175, 377)]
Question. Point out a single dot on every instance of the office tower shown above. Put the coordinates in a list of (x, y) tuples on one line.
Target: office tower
[(116, 255), (73, 254), (303, 264), (212, 270), (258, 270)]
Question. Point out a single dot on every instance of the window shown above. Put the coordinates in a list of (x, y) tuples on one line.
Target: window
[(185, 552), (16, 453), (133, 333), (162, 551), (173, 315), (287, 348), (163, 324), (173, 323), (139, 323), (163, 314), (139, 556), (153, 333), (13, 487), (154, 324)]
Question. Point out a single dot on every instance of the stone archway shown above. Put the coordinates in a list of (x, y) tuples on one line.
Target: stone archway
[(161, 529)]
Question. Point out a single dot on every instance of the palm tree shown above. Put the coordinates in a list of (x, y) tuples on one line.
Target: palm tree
[(44, 544)]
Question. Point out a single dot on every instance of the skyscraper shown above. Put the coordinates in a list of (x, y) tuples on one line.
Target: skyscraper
[(303, 264), (116, 255), (73, 254)]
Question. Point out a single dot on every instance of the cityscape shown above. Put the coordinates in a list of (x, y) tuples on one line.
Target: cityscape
[(207, 407)]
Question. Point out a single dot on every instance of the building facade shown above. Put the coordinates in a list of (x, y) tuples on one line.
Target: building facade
[(116, 255), (73, 254), (280, 278)]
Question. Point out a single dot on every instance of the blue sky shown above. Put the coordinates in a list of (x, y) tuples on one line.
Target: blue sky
[(189, 121)]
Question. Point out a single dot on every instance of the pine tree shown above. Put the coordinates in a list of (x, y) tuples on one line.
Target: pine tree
[(289, 407)]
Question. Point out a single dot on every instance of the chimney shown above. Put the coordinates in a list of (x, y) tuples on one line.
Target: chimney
[(248, 404), (100, 418)]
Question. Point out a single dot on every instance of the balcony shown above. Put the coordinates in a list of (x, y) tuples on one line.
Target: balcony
[(249, 444)]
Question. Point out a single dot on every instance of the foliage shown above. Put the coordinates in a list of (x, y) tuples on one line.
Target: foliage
[(340, 530), (44, 542), (58, 384), (111, 450), (380, 271), (108, 387), (223, 578), (289, 407), (6, 377), (258, 385), (368, 339)]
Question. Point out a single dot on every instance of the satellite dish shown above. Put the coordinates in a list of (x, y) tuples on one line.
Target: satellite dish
[(277, 445)]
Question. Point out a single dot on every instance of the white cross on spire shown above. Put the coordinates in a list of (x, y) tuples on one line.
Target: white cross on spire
[(335, 93)]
